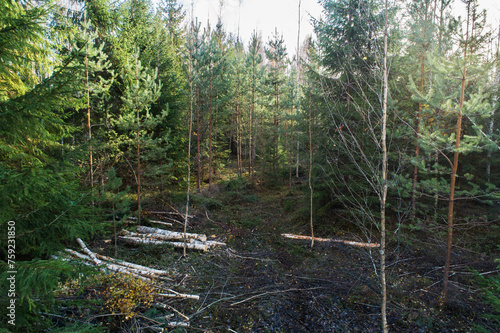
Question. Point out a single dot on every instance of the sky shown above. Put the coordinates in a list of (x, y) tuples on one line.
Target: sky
[(266, 15)]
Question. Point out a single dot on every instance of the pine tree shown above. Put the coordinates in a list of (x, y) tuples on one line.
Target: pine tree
[(469, 104), (96, 84), (141, 90), (276, 55)]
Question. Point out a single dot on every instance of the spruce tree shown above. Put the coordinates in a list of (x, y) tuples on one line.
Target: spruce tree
[(254, 60)]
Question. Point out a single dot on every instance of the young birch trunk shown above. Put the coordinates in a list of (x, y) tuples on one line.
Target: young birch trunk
[(455, 168), (276, 106), (385, 328), (198, 151), (89, 127), (290, 162), (114, 225), (261, 149), (238, 126), (210, 153), (189, 151), (297, 90), (310, 171), (138, 149), (250, 113)]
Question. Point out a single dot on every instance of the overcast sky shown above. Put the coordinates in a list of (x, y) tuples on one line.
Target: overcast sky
[(266, 15)]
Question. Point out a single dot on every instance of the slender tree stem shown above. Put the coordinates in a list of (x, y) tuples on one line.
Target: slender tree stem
[(385, 327), (455, 167)]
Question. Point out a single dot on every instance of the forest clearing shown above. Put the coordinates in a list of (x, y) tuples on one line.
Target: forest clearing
[(160, 173)]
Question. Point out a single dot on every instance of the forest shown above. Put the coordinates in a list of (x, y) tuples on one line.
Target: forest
[(163, 174)]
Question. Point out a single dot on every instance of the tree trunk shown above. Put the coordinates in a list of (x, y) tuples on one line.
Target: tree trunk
[(89, 129), (310, 171), (189, 151), (297, 88), (455, 168), (385, 327), (138, 151), (276, 108), (210, 153), (114, 225), (251, 111), (238, 125), (290, 162), (198, 151), (261, 149)]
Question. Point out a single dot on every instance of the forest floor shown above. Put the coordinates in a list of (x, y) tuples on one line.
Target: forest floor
[(262, 282)]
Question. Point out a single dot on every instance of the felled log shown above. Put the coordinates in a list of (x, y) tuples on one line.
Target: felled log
[(131, 265), (173, 234), (117, 266), (114, 268), (79, 255), (136, 240), (333, 240), (156, 236), (88, 252)]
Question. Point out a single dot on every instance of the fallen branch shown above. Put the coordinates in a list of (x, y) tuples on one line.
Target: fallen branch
[(152, 221), (173, 220), (168, 224), (177, 324), (164, 306), (179, 295), (333, 240)]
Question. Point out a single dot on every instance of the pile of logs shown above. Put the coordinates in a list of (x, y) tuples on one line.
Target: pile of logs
[(147, 235), (155, 276)]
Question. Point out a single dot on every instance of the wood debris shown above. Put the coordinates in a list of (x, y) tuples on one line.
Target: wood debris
[(333, 240)]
